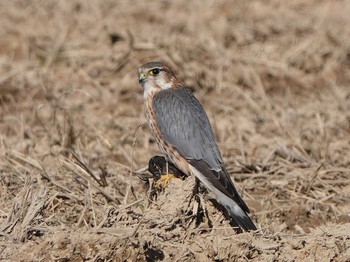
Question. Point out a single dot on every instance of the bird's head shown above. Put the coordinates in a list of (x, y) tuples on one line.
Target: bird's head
[(155, 76)]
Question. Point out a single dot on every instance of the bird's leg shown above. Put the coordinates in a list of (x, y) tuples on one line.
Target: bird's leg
[(165, 179), (163, 171)]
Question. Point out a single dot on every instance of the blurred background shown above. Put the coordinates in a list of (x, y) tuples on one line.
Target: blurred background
[(272, 75)]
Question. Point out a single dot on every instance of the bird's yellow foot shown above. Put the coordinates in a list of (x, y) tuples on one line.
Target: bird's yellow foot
[(163, 181)]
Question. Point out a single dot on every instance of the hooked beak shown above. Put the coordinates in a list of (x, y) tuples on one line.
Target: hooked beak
[(142, 78)]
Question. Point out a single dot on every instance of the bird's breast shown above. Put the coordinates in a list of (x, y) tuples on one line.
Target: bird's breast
[(169, 150)]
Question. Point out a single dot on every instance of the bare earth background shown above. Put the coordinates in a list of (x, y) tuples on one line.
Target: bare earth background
[(274, 78)]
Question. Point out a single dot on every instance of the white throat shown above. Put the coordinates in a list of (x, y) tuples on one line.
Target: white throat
[(149, 88)]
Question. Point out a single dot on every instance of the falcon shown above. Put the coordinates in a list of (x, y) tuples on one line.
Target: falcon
[(183, 133)]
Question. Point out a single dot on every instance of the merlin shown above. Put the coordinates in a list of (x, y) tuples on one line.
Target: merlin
[(183, 132)]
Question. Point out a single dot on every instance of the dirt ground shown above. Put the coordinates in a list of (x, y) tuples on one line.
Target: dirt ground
[(273, 76)]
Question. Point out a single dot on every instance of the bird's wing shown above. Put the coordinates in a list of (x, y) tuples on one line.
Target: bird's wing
[(184, 124)]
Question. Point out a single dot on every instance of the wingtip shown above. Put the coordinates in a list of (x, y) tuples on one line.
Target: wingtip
[(234, 206), (241, 217), (245, 223)]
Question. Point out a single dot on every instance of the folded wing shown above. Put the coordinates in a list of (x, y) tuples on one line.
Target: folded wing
[(185, 125)]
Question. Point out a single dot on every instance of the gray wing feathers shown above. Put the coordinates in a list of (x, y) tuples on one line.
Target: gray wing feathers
[(185, 125), (221, 181)]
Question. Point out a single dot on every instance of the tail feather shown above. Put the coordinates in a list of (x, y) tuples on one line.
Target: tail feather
[(241, 217), (246, 223), (234, 208)]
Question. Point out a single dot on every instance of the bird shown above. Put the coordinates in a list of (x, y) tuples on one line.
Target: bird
[(184, 134)]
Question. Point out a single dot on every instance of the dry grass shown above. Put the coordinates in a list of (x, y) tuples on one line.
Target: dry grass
[(274, 78)]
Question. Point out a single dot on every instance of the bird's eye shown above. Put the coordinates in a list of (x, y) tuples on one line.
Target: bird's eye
[(155, 71)]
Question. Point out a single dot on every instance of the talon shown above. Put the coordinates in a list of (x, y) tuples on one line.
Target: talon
[(164, 180)]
